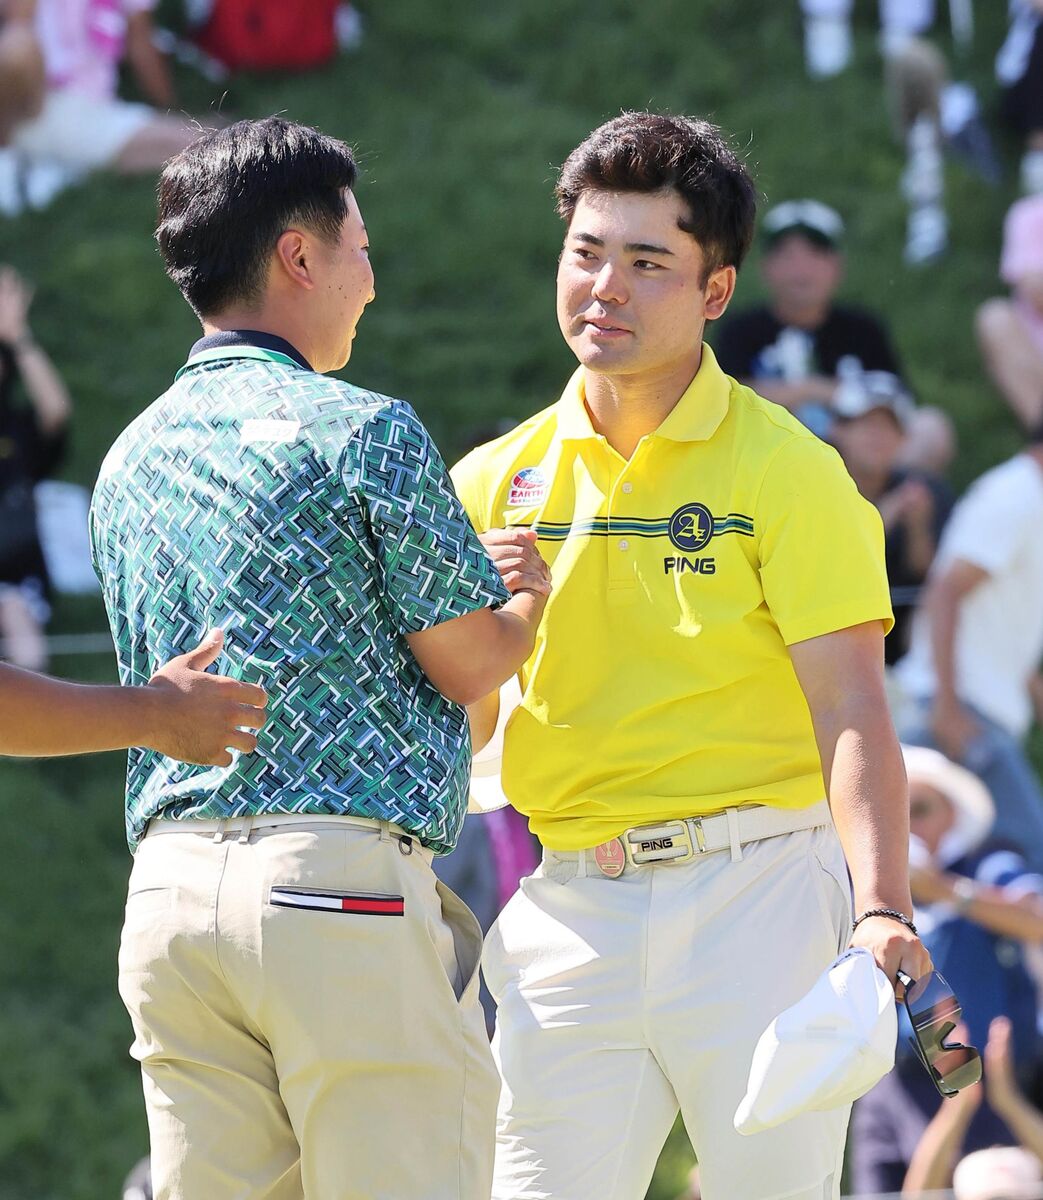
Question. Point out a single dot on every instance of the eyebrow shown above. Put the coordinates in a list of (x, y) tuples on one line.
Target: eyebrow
[(630, 247)]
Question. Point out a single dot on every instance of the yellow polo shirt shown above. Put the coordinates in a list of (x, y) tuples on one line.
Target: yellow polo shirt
[(661, 685)]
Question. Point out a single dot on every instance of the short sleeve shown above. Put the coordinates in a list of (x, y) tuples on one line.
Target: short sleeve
[(990, 525), (821, 545), (433, 567)]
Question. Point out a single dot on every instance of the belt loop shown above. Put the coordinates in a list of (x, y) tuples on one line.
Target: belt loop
[(732, 814), (581, 864), (385, 832), (221, 831), (247, 829)]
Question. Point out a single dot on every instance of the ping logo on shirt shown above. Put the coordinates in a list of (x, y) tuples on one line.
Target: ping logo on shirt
[(691, 527), (697, 566)]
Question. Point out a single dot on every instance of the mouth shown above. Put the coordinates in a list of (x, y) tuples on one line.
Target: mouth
[(602, 328)]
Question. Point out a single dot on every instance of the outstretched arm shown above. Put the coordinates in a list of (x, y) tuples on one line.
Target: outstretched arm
[(182, 712)]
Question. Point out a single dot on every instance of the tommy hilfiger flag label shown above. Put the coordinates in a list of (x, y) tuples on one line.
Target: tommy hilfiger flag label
[(370, 904)]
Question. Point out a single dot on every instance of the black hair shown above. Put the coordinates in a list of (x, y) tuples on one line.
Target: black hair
[(646, 152), (227, 198)]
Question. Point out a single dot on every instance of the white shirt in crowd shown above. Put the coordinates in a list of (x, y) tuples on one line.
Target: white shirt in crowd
[(83, 41), (997, 526)]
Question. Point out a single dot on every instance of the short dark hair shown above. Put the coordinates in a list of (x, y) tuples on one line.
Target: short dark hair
[(227, 198), (646, 152)]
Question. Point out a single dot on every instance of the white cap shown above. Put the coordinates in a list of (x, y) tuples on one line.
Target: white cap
[(1007, 1171), (828, 1049)]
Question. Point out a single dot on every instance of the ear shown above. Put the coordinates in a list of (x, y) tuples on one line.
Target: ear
[(720, 288), (293, 258)]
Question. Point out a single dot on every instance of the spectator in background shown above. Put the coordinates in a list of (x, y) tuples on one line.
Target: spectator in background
[(977, 640), (996, 1173), (1019, 69), (82, 124), (977, 904), (1010, 330), (32, 439), (871, 413), (797, 348)]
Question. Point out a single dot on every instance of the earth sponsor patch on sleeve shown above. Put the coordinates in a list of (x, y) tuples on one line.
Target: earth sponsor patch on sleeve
[(528, 486)]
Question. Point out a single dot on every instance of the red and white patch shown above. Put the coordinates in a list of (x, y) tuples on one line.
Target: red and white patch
[(529, 486), (362, 903)]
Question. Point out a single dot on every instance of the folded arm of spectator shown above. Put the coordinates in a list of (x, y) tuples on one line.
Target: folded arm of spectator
[(994, 908), (1023, 1119), (941, 1145), (150, 67), (911, 505)]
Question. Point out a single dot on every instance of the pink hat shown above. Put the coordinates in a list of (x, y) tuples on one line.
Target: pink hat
[(1022, 240)]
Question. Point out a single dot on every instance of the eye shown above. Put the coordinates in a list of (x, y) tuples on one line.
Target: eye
[(583, 253), (643, 264)]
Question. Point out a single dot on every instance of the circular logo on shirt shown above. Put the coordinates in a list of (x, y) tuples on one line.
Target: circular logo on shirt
[(691, 527)]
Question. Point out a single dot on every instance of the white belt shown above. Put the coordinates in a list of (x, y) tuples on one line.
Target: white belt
[(245, 825), (682, 840)]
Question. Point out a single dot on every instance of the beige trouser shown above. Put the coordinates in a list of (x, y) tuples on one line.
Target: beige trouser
[(623, 1000), (305, 1048)]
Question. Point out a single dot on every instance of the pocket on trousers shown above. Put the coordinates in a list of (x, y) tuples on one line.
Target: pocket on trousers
[(834, 893), (335, 900), (467, 939)]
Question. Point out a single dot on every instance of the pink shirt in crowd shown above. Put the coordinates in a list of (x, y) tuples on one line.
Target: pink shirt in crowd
[(83, 42)]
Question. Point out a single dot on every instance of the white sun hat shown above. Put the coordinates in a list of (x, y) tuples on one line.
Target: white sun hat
[(826, 1050), (972, 804)]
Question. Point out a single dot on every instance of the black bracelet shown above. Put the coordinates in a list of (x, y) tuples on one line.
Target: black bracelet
[(893, 913)]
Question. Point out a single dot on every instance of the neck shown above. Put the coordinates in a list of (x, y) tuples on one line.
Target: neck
[(802, 316), (1036, 452), (626, 408), (289, 328)]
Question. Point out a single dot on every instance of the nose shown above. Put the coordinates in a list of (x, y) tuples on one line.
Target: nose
[(609, 285)]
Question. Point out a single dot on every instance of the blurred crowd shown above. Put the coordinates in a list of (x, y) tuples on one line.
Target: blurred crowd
[(966, 572)]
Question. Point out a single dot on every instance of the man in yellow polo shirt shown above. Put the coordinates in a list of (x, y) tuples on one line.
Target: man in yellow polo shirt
[(713, 651)]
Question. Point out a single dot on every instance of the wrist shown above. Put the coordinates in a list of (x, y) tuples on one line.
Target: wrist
[(150, 706), (887, 913)]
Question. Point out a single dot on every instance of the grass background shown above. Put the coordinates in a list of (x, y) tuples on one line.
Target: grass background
[(460, 114)]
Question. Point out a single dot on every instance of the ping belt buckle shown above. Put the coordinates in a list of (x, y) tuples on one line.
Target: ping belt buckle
[(670, 842)]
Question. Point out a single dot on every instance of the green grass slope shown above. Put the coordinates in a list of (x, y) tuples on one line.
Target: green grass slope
[(460, 115)]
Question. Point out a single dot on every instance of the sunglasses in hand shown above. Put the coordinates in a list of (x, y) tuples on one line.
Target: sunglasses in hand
[(933, 1013)]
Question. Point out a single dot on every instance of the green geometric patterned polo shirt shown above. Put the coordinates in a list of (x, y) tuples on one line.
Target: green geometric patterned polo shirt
[(315, 523)]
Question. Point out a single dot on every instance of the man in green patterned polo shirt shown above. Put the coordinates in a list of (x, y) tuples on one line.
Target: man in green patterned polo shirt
[(303, 990)]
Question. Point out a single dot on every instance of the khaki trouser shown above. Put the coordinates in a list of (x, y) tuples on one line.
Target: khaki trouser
[(306, 1041)]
